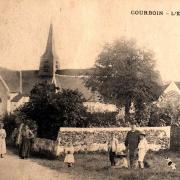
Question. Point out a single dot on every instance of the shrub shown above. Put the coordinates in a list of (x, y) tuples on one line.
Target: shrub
[(9, 124), (101, 119), (161, 116), (51, 110)]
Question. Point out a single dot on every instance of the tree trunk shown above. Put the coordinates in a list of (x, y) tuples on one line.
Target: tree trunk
[(127, 108)]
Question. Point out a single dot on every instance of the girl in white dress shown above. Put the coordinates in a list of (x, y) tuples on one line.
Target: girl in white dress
[(142, 149), (69, 157), (2, 140)]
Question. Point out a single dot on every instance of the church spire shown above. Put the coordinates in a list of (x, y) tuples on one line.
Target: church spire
[(50, 42), (49, 60)]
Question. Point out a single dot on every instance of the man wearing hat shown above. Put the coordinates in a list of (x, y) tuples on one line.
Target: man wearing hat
[(131, 143), (142, 149)]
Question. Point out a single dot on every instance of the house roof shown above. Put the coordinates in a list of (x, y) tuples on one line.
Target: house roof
[(177, 84), (65, 80), (168, 83), (29, 79), (11, 78), (75, 82), (75, 72)]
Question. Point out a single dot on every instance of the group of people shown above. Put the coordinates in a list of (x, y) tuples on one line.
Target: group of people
[(23, 138), (135, 149)]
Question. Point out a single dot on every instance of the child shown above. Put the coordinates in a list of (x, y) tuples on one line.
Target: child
[(122, 160), (69, 158), (112, 146), (142, 149)]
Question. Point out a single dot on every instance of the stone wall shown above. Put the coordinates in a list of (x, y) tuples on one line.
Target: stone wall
[(96, 139), (43, 144)]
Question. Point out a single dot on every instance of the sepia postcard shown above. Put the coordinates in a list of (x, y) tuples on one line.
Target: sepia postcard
[(89, 89)]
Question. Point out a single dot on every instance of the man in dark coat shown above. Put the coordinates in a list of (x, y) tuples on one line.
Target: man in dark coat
[(131, 143)]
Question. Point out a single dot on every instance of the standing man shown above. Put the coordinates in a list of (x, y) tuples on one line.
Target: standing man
[(131, 143)]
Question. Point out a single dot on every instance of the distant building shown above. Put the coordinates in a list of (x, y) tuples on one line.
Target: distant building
[(15, 86), (170, 95)]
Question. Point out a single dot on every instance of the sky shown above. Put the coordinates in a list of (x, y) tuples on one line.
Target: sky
[(82, 27)]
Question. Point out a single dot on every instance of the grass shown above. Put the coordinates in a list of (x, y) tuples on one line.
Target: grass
[(97, 167)]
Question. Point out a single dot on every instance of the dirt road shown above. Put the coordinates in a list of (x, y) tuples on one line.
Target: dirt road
[(13, 168)]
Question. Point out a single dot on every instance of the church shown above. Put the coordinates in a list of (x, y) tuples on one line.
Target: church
[(15, 86)]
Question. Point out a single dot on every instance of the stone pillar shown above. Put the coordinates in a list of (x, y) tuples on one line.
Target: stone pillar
[(175, 138)]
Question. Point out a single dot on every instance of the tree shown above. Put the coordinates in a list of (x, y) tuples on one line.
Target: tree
[(52, 110), (124, 74)]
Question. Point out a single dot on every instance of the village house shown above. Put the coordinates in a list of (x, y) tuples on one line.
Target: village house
[(170, 95)]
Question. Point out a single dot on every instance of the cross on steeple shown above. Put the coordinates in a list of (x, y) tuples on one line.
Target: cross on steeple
[(49, 60)]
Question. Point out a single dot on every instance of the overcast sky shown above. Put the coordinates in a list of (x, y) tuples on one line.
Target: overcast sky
[(81, 27)]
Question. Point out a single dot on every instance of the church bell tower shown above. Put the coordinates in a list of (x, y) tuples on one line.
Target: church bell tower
[(49, 63)]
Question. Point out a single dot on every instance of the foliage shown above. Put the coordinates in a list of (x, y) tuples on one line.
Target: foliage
[(161, 116), (102, 119), (124, 74), (9, 124), (51, 109), (12, 121)]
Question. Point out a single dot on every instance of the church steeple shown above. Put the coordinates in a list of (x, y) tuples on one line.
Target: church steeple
[(49, 60)]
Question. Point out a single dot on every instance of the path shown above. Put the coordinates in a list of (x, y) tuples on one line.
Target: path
[(13, 168)]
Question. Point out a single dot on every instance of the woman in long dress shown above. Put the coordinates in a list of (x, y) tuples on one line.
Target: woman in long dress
[(25, 146), (2, 140)]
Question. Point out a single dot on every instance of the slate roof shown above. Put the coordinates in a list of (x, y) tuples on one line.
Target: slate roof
[(29, 79), (75, 72), (11, 78), (178, 84), (75, 82), (65, 80), (168, 83)]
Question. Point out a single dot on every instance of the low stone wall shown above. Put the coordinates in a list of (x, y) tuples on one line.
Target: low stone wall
[(96, 139), (44, 146)]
